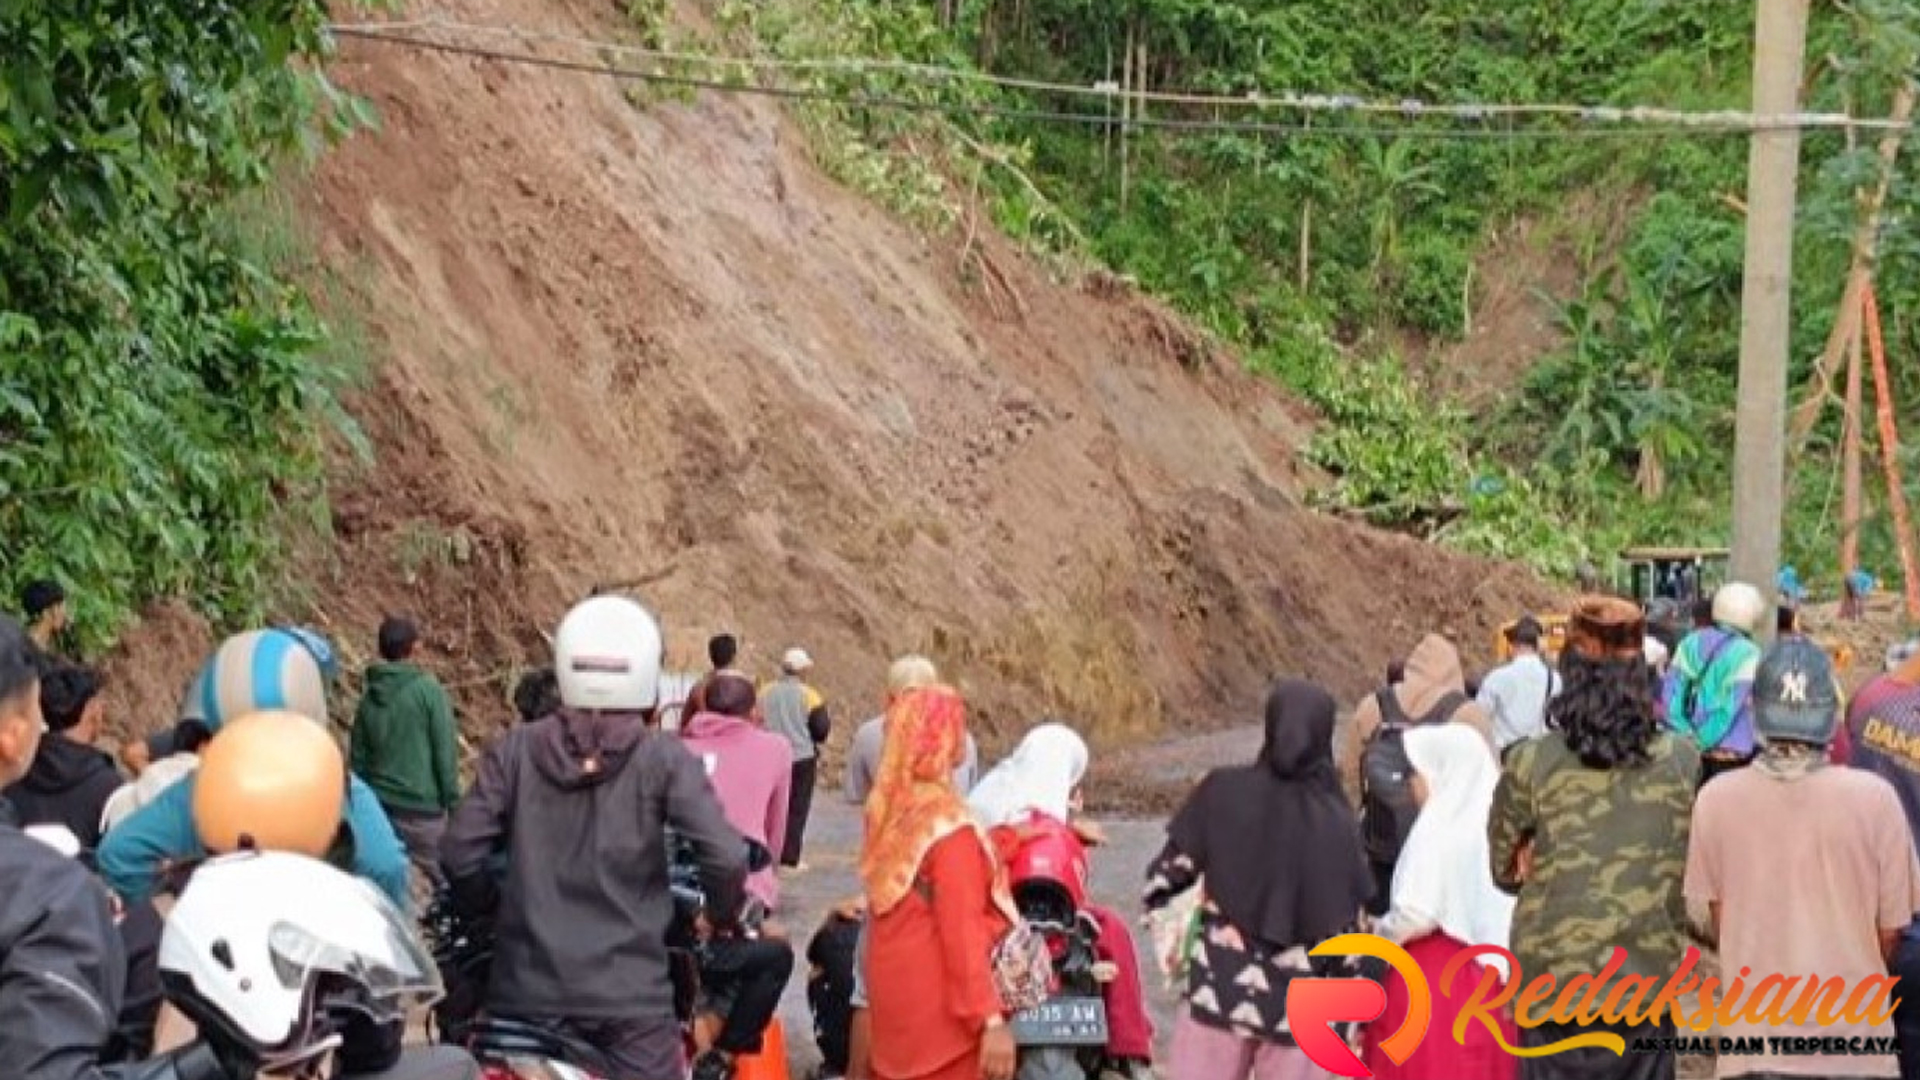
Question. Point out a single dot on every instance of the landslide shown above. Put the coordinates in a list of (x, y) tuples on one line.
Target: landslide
[(654, 346)]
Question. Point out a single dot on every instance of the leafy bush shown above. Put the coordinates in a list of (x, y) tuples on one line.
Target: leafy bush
[(1311, 248), (159, 378)]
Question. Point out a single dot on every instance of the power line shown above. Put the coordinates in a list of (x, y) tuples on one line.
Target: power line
[(1715, 122), (882, 101)]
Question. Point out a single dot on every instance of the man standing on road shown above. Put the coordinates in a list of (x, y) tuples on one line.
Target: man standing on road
[(1883, 736), (1432, 692), (1709, 688), (1845, 913), (750, 769), (797, 712), (1515, 694), (722, 650), (406, 747), (863, 757)]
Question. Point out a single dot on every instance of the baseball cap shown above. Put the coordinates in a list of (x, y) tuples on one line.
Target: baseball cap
[(1794, 694), (796, 659)]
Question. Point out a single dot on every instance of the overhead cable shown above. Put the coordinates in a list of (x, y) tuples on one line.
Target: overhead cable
[(1657, 120)]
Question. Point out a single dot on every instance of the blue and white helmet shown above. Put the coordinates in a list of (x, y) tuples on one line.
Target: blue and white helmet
[(258, 670)]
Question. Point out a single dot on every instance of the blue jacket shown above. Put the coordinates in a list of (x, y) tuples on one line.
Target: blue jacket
[(132, 851)]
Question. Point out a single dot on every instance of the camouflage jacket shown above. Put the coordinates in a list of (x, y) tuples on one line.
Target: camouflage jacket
[(1609, 853)]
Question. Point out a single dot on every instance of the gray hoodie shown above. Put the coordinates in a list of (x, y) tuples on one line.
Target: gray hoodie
[(582, 922)]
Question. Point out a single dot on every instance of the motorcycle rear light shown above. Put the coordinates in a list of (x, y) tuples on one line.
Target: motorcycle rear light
[(496, 1072)]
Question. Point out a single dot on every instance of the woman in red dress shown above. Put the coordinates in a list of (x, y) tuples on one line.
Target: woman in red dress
[(1444, 902), (937, 905)]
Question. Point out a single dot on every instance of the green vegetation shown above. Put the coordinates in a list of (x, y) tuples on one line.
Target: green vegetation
[(160, 379), (1326, 255)]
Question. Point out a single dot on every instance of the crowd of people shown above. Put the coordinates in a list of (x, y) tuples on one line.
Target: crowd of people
[(1582, 805), (1568, 806)]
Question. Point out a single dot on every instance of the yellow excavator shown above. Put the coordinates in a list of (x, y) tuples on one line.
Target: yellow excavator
[(1665, 581)]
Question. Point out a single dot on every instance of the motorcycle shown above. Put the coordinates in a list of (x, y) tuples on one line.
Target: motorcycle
[(515, 1049), (1064, 1037)]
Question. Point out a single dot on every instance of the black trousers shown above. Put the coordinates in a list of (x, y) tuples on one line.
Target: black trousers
[(1597, 1063), (744, 978), (1906, 1015), (799, 805)]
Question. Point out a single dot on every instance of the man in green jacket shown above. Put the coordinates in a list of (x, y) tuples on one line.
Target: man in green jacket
[(406, 747)]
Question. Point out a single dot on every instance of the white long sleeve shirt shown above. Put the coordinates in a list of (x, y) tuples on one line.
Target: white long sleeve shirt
[(1515, 695)]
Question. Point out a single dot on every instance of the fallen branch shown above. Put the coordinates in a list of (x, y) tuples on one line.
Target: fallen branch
[(990, 154), (992, 271)]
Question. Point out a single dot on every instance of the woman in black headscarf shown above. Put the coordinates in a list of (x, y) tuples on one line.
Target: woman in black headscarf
[(1279, 849)]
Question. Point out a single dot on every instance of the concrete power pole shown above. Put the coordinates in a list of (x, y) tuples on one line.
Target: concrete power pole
[(1773, 165)]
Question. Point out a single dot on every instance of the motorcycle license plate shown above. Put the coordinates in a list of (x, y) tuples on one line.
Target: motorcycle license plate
[(1063, 1021)]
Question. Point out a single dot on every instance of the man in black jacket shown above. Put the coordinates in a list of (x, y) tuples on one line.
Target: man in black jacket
[(70, 781), (585, 796), (63, 968)]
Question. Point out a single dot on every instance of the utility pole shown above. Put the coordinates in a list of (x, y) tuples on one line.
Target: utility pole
[(1773, 165)]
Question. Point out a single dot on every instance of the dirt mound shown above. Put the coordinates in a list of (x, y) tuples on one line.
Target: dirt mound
[(655, 346)]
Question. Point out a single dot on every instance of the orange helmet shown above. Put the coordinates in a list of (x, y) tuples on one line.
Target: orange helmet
[(270, 781)]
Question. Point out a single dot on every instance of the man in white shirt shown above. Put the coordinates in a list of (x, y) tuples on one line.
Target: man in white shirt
[(1515, 694)]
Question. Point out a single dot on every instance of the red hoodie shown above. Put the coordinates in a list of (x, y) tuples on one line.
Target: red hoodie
[(752, 770)]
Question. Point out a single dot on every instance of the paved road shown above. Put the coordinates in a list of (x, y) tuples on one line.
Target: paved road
[(833, 846)]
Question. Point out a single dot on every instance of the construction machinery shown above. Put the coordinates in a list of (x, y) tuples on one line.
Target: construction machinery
[(1665, 581)]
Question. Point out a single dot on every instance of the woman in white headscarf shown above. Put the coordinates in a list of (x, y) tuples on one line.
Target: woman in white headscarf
[(1444, 902), (1043, 776)]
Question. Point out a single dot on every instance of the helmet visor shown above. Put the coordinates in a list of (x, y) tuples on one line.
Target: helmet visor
[(388, 969)]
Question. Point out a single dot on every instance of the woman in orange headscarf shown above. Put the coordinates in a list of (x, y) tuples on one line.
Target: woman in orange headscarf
[(935, 906)]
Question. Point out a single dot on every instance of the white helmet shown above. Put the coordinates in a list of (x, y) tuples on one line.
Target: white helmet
[(261, 944), (1740, 606), (606, 656)]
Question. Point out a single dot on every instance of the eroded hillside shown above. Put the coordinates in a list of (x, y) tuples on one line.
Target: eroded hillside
[(654, 345)]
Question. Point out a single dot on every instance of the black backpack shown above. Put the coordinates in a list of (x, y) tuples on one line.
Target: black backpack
[(1387, 808)]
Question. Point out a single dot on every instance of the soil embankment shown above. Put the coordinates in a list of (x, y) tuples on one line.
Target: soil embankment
[(617, 344)]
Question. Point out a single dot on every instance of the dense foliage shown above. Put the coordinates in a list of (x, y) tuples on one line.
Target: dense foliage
[(1329, 254), (159, 378)]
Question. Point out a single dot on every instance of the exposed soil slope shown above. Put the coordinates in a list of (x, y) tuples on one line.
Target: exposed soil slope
[(623, 344)]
